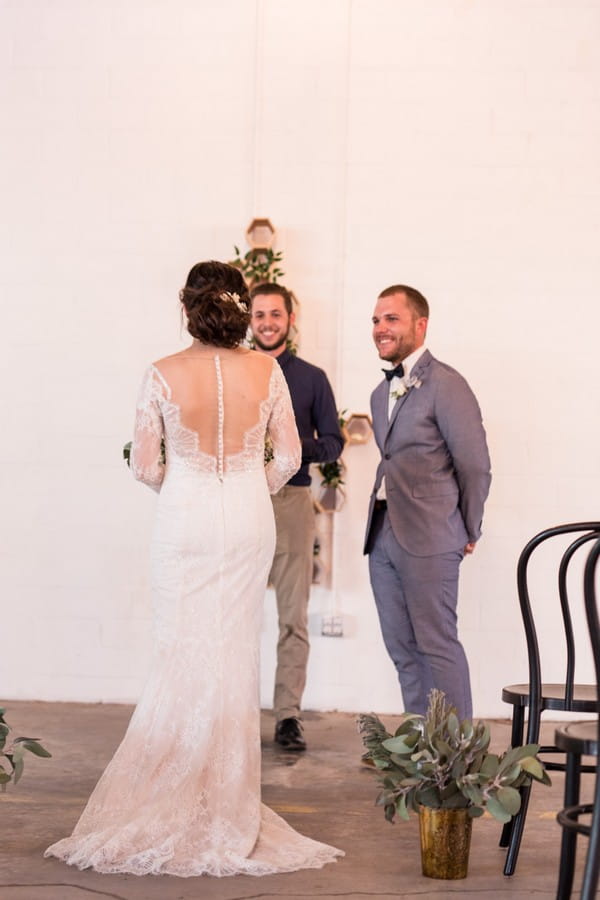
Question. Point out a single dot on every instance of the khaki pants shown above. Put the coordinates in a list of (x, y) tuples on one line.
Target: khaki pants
[(291, 576)]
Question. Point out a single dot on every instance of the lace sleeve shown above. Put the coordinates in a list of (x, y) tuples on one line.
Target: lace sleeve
[(146, 460), (283, 433)]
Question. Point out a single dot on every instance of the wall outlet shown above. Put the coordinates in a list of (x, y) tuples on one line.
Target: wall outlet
[(332, 626)]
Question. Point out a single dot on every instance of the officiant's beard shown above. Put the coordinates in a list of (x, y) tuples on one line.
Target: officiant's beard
[(270, 347)]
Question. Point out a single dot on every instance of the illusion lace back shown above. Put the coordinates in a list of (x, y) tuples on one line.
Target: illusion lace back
[(181, 795)]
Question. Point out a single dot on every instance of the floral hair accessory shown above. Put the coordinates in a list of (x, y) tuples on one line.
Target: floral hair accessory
[(234, 298)]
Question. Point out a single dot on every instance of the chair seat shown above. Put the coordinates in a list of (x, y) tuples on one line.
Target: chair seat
[(585, 696), (580, 738)]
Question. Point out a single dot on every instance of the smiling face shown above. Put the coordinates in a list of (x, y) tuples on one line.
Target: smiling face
[(270, 323), (397, 329)]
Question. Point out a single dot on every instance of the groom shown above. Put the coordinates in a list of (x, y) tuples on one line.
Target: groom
[(427, 503)]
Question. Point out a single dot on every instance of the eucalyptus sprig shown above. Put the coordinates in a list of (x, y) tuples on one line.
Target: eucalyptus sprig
[(15, 753), (437, 761)]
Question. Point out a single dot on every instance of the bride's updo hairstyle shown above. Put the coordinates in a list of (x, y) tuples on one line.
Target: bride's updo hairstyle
[(216, 302)]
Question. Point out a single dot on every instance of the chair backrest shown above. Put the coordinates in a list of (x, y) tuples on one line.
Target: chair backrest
[(586, 531), (591, 872), (591, 609)]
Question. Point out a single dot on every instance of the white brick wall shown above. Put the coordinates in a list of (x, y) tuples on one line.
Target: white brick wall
[(449, 144)]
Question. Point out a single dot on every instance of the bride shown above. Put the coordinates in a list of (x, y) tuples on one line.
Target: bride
[(181, 795)]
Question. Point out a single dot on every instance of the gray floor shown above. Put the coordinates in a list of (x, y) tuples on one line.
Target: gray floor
[(325, 793)]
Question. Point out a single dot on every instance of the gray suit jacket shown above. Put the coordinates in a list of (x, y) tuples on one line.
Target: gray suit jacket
[(435, 460)]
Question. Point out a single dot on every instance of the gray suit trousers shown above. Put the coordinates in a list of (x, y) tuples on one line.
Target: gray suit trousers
[(416, 601)]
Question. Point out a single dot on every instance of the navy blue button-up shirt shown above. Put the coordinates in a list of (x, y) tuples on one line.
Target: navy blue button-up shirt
[(315, 411)]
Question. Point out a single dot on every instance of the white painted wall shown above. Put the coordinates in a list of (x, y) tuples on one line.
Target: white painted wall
[(448, 144)]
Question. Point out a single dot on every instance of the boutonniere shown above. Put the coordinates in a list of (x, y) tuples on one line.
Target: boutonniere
[(405, 386)]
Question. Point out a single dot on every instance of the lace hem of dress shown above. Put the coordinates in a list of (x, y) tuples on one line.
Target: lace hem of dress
[(278, 849)]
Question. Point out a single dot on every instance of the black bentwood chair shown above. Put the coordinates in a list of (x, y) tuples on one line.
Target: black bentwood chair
[(579, 739), (537, 695)]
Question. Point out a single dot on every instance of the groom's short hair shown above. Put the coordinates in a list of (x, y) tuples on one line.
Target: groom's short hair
[(415, 298), (269, 287)]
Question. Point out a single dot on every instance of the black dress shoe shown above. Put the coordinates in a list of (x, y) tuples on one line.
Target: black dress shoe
[(288, 734)]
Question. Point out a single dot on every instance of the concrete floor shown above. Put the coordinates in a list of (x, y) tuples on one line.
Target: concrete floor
[(324, 793)]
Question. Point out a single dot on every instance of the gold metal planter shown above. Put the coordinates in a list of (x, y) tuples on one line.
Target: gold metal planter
[(445, 842)]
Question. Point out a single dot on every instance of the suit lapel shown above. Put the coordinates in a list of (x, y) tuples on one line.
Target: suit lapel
[(397, 407), (418, 372), (379, 401), (423, 363)]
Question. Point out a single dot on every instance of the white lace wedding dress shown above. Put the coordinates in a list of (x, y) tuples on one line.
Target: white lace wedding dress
[(181, 795)]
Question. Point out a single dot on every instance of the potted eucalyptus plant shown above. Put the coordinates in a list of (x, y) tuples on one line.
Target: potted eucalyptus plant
[(443, 769)]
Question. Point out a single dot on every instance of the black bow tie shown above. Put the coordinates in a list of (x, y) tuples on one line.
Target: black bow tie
[(391, 373)]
